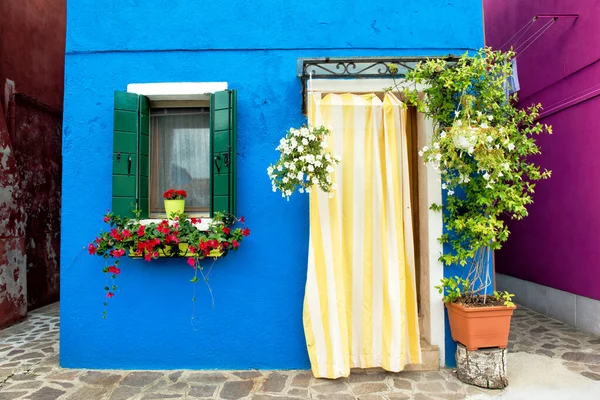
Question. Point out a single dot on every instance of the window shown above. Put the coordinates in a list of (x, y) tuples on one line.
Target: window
[(186, 142), (180, 154)]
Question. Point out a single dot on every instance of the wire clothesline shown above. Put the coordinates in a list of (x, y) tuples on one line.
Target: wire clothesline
[(519, 33), (520, 46), (520, 49)]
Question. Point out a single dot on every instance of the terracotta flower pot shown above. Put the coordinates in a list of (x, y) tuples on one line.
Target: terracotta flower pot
[(480, 327)]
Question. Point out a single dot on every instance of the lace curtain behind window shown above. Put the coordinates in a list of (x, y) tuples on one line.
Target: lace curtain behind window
[(180, 156)]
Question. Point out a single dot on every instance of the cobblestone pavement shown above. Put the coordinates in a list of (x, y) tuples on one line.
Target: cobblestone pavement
[(29, 370)]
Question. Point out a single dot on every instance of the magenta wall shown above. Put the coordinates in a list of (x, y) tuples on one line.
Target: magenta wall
[(558, 245)]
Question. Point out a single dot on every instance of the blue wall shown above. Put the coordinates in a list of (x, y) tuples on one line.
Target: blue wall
[(257, 319)]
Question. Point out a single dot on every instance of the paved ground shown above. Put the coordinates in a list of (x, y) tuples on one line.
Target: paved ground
[(549, 360)]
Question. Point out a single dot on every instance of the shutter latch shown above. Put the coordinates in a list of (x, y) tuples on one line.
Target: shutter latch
[(217, 159), (226, 159)]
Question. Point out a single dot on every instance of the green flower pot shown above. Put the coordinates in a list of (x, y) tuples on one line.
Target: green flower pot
[(174, 206)]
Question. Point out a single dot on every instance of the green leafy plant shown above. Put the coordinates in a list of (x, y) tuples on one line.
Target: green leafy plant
[(453, 288), (180, 237), (505, 298), (481, 146)]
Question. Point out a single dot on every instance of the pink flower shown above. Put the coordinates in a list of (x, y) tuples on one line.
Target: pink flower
[(91, 249), (110, 295), (235, 244), (117, 253), (192, 262), (171, 239), (114, 270), (116, 235), (106, 218)]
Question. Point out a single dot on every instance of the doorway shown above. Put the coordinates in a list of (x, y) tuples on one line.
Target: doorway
[(425, 189)]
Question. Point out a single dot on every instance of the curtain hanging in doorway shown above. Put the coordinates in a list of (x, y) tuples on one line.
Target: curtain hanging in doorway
[(360, 305)]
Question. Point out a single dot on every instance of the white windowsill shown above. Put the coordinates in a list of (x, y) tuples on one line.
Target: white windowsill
[(177, 90), (202, 226)]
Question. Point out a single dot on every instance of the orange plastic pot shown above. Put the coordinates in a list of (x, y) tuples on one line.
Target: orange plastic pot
[(480, 327)]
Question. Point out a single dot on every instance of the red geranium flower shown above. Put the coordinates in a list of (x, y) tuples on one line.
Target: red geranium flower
[(148, 257), (116, 235), (173, 194), (226, 230), (163, 229), (106, 218), (242, 219), (141, 230), (245, 231), (91, 248), (117, 253), (114, 270), (110, 295), (235, 244), (191, 261), (195, 220), (126, 233), (171, 239)]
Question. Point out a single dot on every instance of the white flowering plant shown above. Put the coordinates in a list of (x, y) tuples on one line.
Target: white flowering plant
[(482, 146), (304, 162)]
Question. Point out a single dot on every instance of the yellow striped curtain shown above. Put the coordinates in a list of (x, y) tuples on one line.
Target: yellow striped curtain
[(360, 305)]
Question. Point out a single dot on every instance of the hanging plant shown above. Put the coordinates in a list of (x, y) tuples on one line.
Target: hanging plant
[(304, 162), (179, 237), (482, 146)]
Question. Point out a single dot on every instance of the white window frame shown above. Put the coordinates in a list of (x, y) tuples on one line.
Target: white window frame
[(178, 91)]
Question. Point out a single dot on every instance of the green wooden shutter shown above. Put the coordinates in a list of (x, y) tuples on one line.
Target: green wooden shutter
[(223, 154), (130, 154), (144, 156)]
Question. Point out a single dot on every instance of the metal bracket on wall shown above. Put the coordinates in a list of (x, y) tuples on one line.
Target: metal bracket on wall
[(356, 68)]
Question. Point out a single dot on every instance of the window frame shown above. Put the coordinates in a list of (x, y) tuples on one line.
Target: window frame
[(154, 208), (173, 95)]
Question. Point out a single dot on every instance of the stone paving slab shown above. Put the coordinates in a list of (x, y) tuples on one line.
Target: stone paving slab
[(29, 370)]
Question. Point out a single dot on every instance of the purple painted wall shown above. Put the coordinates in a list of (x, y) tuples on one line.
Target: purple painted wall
[(558, 245)]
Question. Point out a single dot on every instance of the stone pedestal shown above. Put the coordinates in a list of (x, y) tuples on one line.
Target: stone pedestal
[(485, 368)]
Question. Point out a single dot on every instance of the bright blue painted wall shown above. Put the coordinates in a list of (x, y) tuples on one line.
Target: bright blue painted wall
[(463, 272), (257, 319)]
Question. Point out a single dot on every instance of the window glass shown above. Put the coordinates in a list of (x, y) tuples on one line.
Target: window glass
[(180, 156)]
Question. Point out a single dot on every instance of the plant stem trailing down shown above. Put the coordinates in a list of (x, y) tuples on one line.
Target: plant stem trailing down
[(153, 240), (482, 146)]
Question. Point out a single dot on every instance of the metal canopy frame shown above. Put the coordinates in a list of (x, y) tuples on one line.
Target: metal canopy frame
[(357, 68)]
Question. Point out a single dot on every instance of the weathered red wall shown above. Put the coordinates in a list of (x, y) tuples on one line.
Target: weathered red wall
[(32, 38), (32, 48), (13, 291)]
